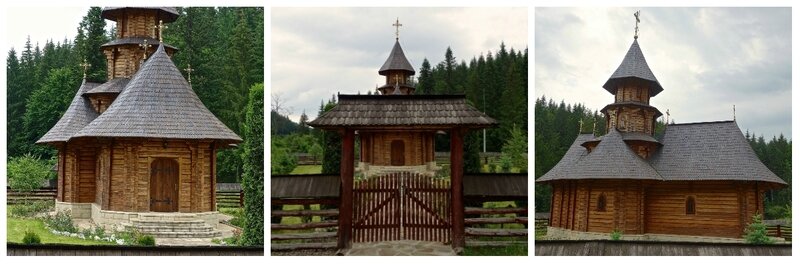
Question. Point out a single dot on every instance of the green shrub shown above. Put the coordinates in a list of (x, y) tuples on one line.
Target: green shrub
[(774, 212), (756, 232), (27, 173), (146, 240), (30, 208), (31, 238), (616, 235), (505, 163), (61, 221)]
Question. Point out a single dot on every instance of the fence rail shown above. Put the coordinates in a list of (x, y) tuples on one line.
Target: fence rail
[(496, 227), (782, 231), (15, 249), (308, 233), (655, 248), (42, 194)]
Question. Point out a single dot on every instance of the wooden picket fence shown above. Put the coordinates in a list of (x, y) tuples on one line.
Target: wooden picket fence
[(42, 194), (306, 234)]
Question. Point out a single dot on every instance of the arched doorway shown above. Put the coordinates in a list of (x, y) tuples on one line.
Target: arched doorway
[(164, 185)]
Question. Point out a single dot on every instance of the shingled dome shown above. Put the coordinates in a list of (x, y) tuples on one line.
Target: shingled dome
[(709, 151), (575, 152), (403, 111), (613, 159), (158, 103), (633, 66), (167, 14), (79, 113), (397, 61)]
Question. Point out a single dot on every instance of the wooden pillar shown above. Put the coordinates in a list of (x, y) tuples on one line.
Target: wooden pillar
[(457, 186), (346, 190)]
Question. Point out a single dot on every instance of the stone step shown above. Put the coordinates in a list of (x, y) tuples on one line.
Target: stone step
[(176, 223), (184, 234), (167, 217), (146, 229)]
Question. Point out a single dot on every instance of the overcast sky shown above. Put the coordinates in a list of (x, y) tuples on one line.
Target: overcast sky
[(707, 60), (317, 52), (42, 24)]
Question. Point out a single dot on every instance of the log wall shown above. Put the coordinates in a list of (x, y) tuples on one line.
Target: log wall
[(722, 208), (376, 147)]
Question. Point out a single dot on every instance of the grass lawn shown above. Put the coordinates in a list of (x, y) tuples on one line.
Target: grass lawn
[(18, 226), (516, 250), (307, 169)]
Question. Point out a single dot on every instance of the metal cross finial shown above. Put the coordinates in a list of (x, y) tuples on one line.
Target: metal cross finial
[(667, 117), (580, 126), (397, 26), (85, 66), (594, 125), (636, 32), (189, 71), (160, 28), (734, 112), (144, 45)]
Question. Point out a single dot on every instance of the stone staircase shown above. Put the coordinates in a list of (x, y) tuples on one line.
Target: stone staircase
[(173, 226)]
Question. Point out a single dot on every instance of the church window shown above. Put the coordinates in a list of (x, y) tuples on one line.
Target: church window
[(601, 203), (690, 205)]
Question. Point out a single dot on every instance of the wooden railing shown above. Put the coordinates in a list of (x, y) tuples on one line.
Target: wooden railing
[(782, 231), (496, 227), (308, 233), (230, 199), (42, 194)]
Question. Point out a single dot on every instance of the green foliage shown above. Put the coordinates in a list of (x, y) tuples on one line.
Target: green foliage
[(515, 148), (31, 238), (756, 232), (788, 213), (61, 221), (253, 179), (27, 173), (616, 235), (146, 240), (46, 105), (331, 145), (30, 208)]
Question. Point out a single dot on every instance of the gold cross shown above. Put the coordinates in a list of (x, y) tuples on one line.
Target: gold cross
[(397, 26), (636, 32), (734, 111), (160, 28), (145, 46), (189, 71), (594, 125), (667, 117), (580, 126), (85, 66)]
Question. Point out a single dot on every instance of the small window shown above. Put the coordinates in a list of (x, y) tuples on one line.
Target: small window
[(601, 203), (690, 205)]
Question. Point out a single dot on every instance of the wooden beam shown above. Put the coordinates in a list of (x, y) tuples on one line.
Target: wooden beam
[(503, 243), (300, 246), (457, 186), (496, 232), (312, 235), (329, 223), (496, 220), (330, 212), (305, 201), (346, 194), (504, 210)]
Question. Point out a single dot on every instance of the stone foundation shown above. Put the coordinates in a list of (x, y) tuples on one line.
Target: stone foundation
[(369, 170), (555, 233), (119, 218)]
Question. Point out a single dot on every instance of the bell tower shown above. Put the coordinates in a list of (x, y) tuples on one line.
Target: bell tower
[(138, 34), (397, 70)]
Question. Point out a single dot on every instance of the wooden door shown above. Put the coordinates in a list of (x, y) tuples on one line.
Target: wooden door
[(164, 185), (398, 153)]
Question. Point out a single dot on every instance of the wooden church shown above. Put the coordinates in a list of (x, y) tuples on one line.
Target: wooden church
[(698, 179), (396, 129), (140, 149)]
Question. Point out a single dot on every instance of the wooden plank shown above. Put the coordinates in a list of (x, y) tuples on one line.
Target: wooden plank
[(509, 210), (323, 224), (504, 243), (328, 212), (496, 220), (305, 201), (301, 246), (496, 232), (312, 235)]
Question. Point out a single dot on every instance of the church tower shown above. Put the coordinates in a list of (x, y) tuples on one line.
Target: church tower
[(633, 84), (397, 70)]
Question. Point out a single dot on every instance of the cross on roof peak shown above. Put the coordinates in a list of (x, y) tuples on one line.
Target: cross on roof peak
[(189, 71), (85, 66), (160, 27), (636, 30), (397, 26)]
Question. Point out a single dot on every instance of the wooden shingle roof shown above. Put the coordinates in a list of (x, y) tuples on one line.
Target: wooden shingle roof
[(709, 151), (79, 113), (634, 66), (167, 14), (403, 111), (158, 103), (304, 186), (397, 61), (561, 170), (114, 86)]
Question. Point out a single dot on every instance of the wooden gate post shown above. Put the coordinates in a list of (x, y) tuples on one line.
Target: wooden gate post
[(457, 186), (346, 190)]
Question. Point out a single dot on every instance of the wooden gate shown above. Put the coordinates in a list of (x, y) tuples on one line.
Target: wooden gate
[(164, 185), (402, 206)]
